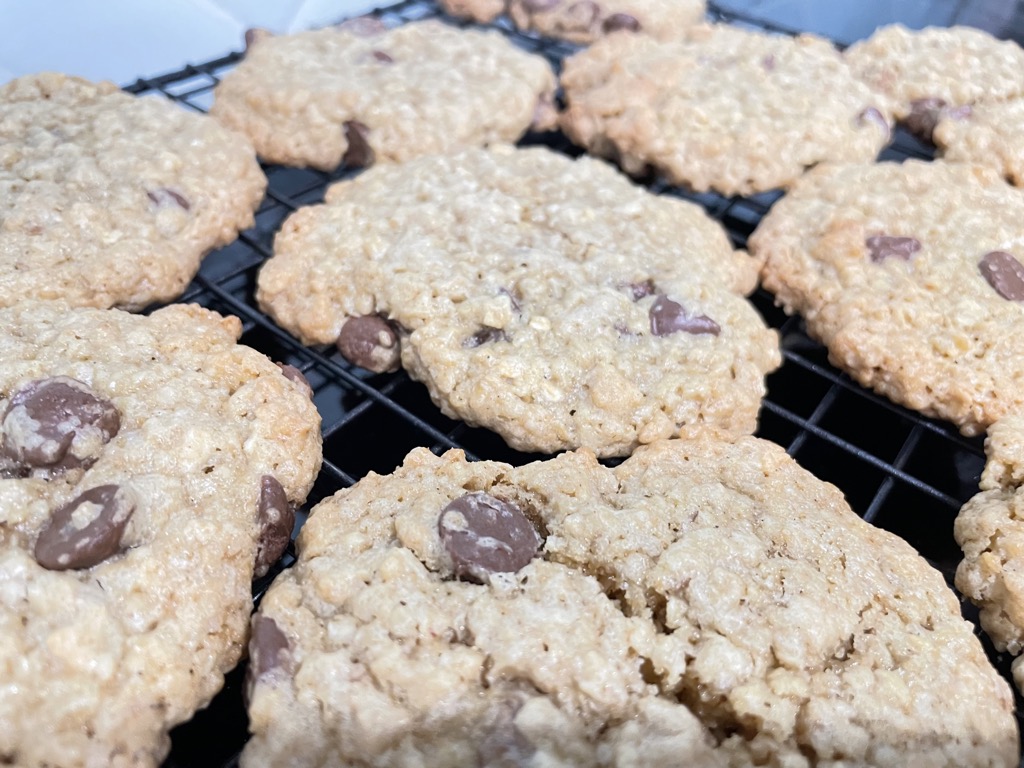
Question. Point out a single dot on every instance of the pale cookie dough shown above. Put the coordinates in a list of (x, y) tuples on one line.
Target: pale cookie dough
[(361, 93), (730, 109), (583, 21), (705, 603), (911, 276), (108, 199), (988, 133), (547, 299), (925, 73), (148, 465)]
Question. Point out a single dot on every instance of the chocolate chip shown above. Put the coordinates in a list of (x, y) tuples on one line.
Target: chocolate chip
[(873, 116), (485, 335), (924, 116), (580, 16), (484, 535), (363, 26), (1004, 273), (275, 518), (293, 374), (85, 531), (359, 153), (382, 57), (269, 649), (537, 6), (57, 424), (642, 290), (618, 21), (167, 196), (768, 63), (370, 342), (883, 247), (668, 317)]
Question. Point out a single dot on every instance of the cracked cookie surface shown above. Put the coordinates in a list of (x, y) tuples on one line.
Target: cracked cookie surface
[(547, 299), (704, 603), (146, 466)]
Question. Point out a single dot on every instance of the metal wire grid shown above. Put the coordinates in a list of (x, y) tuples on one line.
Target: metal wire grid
[(898, 470)]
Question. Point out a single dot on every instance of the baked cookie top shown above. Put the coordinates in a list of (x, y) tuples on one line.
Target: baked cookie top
[(148, 464), (987, 133), (108, 199), (925, 71), (583, 21), (544, 298), (729, 109), (704, 603), (361, 93), (911, 275)]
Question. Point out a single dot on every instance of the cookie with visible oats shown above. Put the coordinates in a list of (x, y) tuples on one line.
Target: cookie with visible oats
[(928, 73), (360, 93), (728, 109), (911, 275), (149, 466), (108, 199), (547, 299), (583, 21), (987, 133), (705, 603)]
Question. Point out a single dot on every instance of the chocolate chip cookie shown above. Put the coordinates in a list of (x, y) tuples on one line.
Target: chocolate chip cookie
[(729, 109), (583, 21), (360, 93), (929, 72), (107, 199), (911, 275), (547, 299), (986, 132), (704, 603), (149, 467)]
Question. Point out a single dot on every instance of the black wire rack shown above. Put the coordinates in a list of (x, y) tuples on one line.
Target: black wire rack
[(898, 470)]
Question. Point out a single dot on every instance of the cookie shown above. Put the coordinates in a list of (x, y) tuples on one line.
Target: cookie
[(111, 200), (547, 299), (583, 21), (925, 72), (704, 603), (149, 465), (733, 110), (361, 93), (987, 133), (911, 275)]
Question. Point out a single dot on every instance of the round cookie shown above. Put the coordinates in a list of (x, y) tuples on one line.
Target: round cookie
[(148, 466), (987, 133), (910, 274), (729, 109), (360, 93), (108, 199), (926, 72), (704, 603), (583, 21), (547, 299)]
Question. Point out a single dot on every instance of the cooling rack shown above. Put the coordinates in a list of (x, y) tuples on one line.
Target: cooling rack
[(900, 471)]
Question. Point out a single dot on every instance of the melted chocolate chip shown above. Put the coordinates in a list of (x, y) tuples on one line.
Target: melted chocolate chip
[(85, 531), (485, 335), (668, 317), (359, 153), (269, 649), (642, 290), (363, 26), (275, 518), (618, 21), (874, 117), (884, 247), (53, 425), (484, 535), (1004, 273), (167, 196), (382, 57), (924, 116), (370, 342)]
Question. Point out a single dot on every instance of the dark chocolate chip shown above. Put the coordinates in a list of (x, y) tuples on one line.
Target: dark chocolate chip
[(85, 531), (484, 535), (268, 650), (359, 153), (924, 116), (668, 317), (642, 290), (370, 342), (167, 196), (1004, 273), (874, 117), (363, 26), (618, 21), (883, 247), (275, 518), (295, 375), (57, 424), (485, 335), (382, 57)]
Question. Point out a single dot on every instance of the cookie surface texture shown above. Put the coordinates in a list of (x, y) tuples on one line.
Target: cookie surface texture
[(108, 199), (547, 299), (583, 21), (987, 133), (363, 94), (705, 603), (728, 109), (133, 456), (910, 274)]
